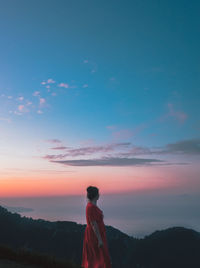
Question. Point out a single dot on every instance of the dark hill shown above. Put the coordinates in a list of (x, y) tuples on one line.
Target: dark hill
[(171, 248)]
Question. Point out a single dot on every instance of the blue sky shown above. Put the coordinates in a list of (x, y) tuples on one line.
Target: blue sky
[(99, 79)]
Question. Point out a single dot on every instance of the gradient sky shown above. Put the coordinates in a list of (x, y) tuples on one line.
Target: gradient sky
[(105, 93)]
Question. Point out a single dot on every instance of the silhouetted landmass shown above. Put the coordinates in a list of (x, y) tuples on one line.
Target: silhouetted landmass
[(18, 209), (25, 258), (171, 248)]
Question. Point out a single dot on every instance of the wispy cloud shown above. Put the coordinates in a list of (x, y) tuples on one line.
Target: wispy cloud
[(124, 134), (42, 101), (53, 141), (21, 108), (109, 161), (60, 148), (122, 153), (63, 85), (191, 147), (92, 65), (49, 81), (36, 93), (20, 98), (111, 127), (184, 147), (178, 115), (28, 103), (5, 119), (88, 150)]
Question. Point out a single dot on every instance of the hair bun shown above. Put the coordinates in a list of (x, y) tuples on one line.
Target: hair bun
[(92, 192)]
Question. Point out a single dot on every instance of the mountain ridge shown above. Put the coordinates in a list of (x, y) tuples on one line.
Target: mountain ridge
[(172, 247)]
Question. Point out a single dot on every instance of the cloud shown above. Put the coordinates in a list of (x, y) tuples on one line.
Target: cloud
[(125, 154), (42, 101), (109, 161), (137, 150), (123, 134), (180, 116), (60, 148), (111, 127), (63, 85), (187, 147), (36, 93), (92, 65), (20, 108), (20, 98), (54, 141), (5, 119), (89, 150), (49, 81), (191, 147), (28, 103)]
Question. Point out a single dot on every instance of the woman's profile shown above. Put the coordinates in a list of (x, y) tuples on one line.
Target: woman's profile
[(95, 249)]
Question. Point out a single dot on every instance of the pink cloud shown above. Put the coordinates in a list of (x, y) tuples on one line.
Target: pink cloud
[(21, 98), (54, 141), (20, 108), (179, 115), (36, 93), (111, 127), (5, 119), (42, 101), (123, 134), (60, 148), (50, 81), (28, 103), (63, 85)]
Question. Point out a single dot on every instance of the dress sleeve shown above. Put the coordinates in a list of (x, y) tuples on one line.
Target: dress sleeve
[(92, 214)]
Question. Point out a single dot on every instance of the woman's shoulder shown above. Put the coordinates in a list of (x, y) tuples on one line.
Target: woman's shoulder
[(91, 206)]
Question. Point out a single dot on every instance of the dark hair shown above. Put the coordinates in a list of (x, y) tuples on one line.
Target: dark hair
[(92, 192)]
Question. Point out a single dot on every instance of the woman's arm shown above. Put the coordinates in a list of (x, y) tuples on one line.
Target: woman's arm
[(96, 230)]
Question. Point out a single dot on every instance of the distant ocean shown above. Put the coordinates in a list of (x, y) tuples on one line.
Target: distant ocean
[(136, 214)]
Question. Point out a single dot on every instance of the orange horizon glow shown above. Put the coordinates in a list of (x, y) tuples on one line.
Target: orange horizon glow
[(108, 180)]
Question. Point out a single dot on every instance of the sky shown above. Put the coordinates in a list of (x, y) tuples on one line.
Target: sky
[(102, 93)]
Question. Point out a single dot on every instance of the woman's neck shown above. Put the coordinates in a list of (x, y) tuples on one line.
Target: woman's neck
[(94, 202)]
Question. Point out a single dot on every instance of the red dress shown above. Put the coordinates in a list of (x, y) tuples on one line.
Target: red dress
[(94, 256)]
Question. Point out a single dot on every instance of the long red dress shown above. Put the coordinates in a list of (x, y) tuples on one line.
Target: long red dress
[(94, 256)]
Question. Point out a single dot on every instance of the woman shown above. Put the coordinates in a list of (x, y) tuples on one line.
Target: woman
[(95, 249)]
